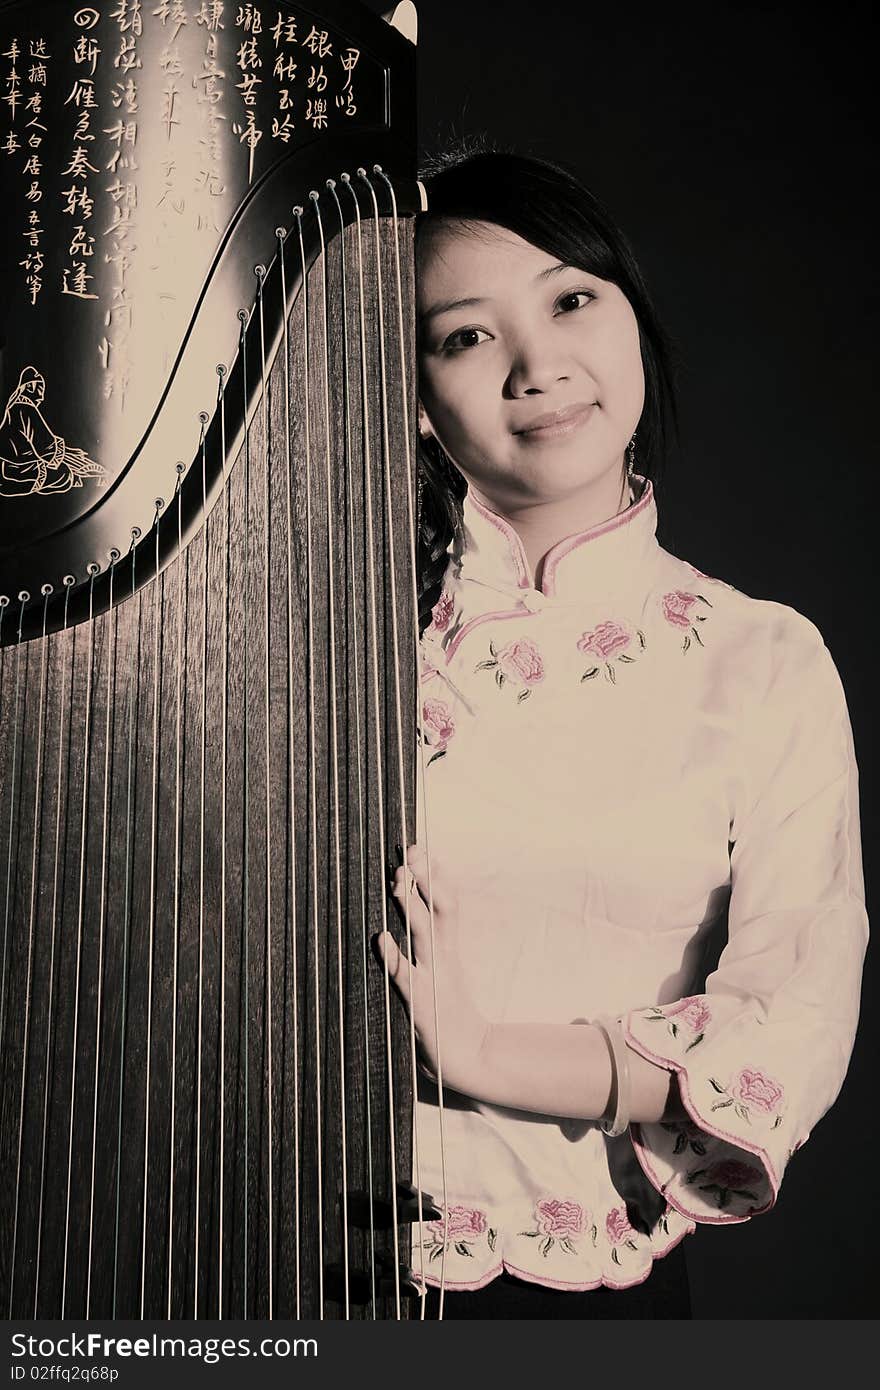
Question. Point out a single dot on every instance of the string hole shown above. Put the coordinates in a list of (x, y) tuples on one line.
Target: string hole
[(135, 533), (204, 417), (46, 590), (93, 569), (297, 211), (180, 469), (377, 168), (221, 370), (24, 596), (114, 555), (361, 172), (313, 195), (4, 601), (260, 272), (331, 183), (281, 233), (242, 315), (68, 581), (159, 503)]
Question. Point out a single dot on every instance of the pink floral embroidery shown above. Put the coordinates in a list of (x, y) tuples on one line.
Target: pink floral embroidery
[(710, 578), (619, 1231), (751, 1091), (438, 726), (441, 613), (677, 606), (519, 662), (466, 1226), (609, 642), (726, 1178), (692, 1012), (557, 1222), (756, 1089), (558, 1218)]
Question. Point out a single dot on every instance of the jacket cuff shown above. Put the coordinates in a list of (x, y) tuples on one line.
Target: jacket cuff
[(725, 1162)]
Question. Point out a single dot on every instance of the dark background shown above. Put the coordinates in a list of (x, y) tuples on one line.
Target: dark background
[(733, 145)]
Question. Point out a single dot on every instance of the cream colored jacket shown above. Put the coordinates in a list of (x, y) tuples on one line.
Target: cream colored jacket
[(645, 785)]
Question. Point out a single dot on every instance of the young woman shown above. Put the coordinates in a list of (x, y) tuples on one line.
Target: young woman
[(636, 901)]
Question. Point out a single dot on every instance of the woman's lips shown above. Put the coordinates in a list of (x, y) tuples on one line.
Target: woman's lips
[(557, 423)]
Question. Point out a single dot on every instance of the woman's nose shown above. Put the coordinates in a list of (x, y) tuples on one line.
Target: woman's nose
[(537, 365)]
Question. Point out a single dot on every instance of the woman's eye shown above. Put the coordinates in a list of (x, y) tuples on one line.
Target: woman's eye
[(568, 302), (464, 338)]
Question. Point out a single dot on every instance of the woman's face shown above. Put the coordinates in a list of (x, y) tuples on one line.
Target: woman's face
[(531, 373)]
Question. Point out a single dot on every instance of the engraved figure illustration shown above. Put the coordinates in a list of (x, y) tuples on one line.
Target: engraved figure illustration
[(33, 458)]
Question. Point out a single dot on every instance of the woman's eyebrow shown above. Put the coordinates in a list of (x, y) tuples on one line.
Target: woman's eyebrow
[(447, 305)]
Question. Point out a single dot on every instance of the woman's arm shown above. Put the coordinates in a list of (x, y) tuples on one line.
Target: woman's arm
[(548, 1068)]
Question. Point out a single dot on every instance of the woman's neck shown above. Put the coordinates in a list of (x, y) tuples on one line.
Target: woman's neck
[(542, 525)]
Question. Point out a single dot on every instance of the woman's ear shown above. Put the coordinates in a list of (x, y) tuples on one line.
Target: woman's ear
[(426, 429)]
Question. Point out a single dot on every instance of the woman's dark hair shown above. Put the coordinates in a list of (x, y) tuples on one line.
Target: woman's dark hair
[(548, 206)]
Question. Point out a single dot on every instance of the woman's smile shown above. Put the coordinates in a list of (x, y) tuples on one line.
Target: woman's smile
[(557, 424)]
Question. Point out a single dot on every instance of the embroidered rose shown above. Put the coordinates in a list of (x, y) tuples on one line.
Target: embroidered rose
[(678, 609), (609, 641), (438, 726), (692, 1012), (617, 1226), (750, 1092), (463, 1222), (441, 613), (557, 1221), (519, 662), (466, 1226), (619, 1232), (758, 1090), (557, 1218), (726, 1178)]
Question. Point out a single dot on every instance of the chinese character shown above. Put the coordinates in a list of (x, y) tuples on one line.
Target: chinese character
[(76, 281), (79, 166), (349, 63), (248, 57), (317, 79), (285, 68), (282, 130), (78, 198), (285, 30), (37, 76), (87, 51), (127, 57), (175, 11), (316, 42), (250, 19), (211, 15), (316, 112)]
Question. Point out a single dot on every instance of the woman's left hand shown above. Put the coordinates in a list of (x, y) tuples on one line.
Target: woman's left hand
[(438, 967)]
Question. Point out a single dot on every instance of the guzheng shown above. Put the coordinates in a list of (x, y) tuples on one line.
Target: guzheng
[(207, 658)]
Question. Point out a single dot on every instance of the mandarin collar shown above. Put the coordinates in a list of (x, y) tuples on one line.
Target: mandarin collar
[(607, 559)]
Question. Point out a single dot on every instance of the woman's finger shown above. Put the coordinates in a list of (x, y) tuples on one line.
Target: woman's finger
[(406, 895), (429, 878), (398, 965)]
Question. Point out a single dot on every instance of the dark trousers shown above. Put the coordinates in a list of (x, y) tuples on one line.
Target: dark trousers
[(664, 1294)]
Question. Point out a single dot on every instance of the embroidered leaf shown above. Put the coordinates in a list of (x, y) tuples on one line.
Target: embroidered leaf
[(703, 599), (484, 665), (615, 1257), (499, 676), (687, 642), (655, 1018), (680, 1143), (743, 1113), (698, 1038), (698, 1147), (694, 1174), (436, 1252), (441, 753), (547, 1246), (673, 1028), (523, 695), (777, 1122), (492, 1237), (464, 1249), (698, 637), (492, 649), (631, 1244), (629, 659), (566, 1244), (721, 1104), (593, 1233), (588, 675), (641, 637), (528, 1233), (699, 617), (722, 1090), (610, 670), (664, 1222), (743, 1192)]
